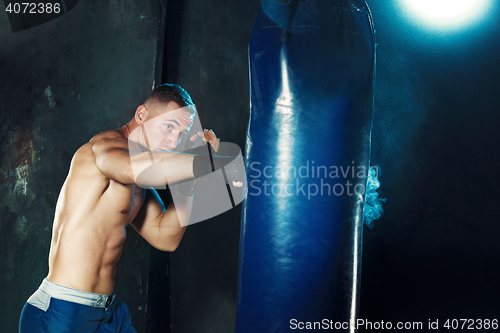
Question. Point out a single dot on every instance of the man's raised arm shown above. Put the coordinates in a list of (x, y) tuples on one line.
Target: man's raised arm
[(155, 169), (162, 228)]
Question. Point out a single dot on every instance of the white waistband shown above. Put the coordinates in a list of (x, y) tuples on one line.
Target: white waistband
[(69, 294)]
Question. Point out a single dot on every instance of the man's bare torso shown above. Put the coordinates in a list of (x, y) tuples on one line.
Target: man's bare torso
[(89, 226)]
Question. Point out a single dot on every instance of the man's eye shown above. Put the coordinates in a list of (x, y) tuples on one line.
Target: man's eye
[(168, 126)]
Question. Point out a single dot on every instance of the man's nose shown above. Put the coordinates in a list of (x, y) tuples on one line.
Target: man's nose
[(173, 140), (174, 144)]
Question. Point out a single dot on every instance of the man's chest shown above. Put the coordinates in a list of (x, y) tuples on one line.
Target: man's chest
[(126, 200)]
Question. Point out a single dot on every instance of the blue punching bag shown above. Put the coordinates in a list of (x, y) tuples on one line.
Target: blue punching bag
[(307, 150)]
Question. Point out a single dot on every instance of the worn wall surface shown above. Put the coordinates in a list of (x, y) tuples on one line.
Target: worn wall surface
[(61, 83), (207, 54)]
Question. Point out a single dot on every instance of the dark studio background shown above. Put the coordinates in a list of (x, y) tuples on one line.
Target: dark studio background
[(433, 255)]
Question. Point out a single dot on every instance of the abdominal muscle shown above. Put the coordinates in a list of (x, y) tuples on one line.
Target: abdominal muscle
[(89, 228), (86, 260)]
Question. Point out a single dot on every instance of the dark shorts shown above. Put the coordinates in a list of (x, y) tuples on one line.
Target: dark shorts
[(57, 309)]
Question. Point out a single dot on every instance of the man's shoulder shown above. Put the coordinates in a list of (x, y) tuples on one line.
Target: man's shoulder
[(112, 134), (86, 149)]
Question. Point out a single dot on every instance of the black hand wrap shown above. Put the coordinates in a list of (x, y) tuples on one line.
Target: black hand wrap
[(235, 171), (207, 161)]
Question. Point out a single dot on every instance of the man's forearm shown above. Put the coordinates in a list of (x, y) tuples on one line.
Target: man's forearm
[(158, 168), (173, 223), (182, 207)]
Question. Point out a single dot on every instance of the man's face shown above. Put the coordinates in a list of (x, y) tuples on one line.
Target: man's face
[(166, 125)]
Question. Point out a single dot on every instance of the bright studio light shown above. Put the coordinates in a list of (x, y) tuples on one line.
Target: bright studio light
[(447, 13)]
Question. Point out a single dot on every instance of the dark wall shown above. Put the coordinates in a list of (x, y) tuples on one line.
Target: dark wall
[(61, 83), (207, 54), (434, 254)]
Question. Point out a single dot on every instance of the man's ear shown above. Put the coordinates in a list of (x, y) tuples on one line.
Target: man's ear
[(141, 114)]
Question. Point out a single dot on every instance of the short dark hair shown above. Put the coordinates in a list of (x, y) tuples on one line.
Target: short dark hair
[(168, 92)]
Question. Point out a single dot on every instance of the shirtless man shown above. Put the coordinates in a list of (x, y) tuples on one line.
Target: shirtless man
[(99, 198)]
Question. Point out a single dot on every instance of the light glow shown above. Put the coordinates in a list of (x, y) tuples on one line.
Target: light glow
[(447, 13)]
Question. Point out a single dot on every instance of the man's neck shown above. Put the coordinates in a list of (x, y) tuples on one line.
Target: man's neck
[(128, 128)]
